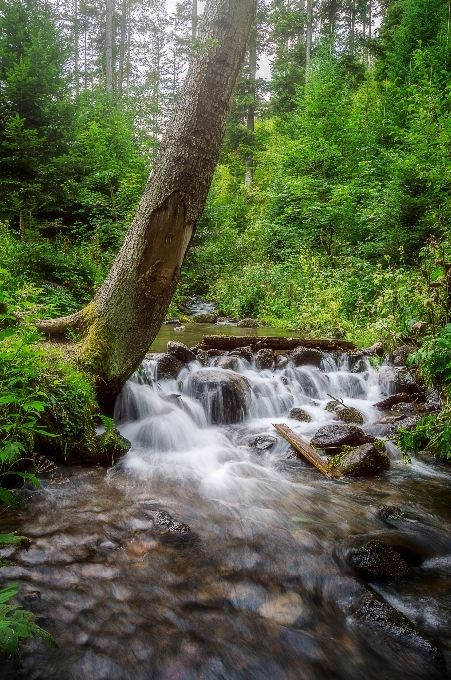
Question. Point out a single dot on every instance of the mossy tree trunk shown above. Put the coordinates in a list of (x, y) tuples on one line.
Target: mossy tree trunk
[(121, 322)]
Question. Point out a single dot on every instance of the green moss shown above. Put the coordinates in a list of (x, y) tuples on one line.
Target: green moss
[(98, 344)]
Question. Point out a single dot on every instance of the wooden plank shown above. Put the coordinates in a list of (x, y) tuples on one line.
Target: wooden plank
[(307, 451), (229, 342)]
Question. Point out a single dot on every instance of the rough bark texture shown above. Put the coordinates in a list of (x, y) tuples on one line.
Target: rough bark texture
[(126, 314)]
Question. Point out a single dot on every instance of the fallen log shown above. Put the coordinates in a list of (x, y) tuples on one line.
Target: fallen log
[(307, 451), (230, 342)]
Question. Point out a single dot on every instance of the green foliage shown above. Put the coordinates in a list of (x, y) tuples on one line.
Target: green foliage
[(17, 624), (433, 433)]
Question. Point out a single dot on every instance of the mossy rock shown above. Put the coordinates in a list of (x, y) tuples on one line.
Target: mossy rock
[(301, 415), (363, 460), (348, 414), (110, 446)]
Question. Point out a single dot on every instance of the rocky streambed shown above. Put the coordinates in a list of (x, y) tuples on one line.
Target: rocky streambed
[(211, 550)]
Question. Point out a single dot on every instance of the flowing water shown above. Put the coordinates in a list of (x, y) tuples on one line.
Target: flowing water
[(260, 587)]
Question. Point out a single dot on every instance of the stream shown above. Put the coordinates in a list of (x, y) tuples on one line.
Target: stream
[(210, 551)]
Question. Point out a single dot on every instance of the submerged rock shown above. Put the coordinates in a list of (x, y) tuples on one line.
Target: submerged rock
[(377, 560), (332, 438), (301, 415), (364, 460), (168, 367), (304, 356), (247, 323), (264, 442), (391, 512), (165, 524), (281, 361), (181, 351), (223, 394), (265, 358)]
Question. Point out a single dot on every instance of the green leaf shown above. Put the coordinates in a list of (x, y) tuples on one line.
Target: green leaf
[(10, 498), (8, 592), (14, 539)]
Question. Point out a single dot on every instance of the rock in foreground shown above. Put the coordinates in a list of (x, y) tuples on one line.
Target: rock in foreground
[(364, 460), (377, 560), (332, 438)]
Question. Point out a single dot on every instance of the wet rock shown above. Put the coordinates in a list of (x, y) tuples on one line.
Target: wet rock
[(284, 380), (228, 362), (393, 379), (243, 352), (377, 349), (377, 560), (181, 352), (223, 394), (202, 356), (304, 356), (399, 356), (364, 460), (387, 404), (247, 323), (391, 512), (330, 406), (360, 366), (409, 408), (348, 414), (214, 353), (281, 361), (168, 367), (265, 359), (165, 524), (111, 446), (173, 322), (408, 423), (301, 415), (376, 612), (333, 437), (205, 318), (264, 442)]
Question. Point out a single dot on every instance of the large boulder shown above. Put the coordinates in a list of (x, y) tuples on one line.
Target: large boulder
[(364, 460), (377, 560), (332, 438), (223, 394), (247, 323), (389, 402), (305, 356), (265, 358), (168, 367), (205, 318), (181, 352)]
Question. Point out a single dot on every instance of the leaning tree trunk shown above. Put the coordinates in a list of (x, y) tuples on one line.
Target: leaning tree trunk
[(119, 325)]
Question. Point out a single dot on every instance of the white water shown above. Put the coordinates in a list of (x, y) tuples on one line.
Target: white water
[(172, 437)]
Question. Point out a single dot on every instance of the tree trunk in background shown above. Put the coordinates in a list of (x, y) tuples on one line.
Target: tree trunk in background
[(309, 38), (194, 22), (76, 55), (119, 325), (251, 109), (109, 45), (333, 9), (122, 46)]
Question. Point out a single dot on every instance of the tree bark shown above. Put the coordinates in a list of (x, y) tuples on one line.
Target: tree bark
[(109, 45), (119, 325), (251, 108), (194, 22)]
